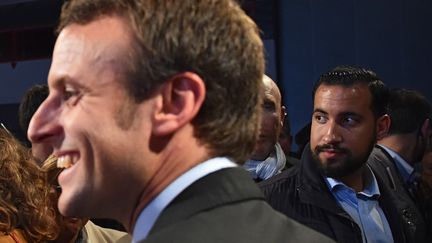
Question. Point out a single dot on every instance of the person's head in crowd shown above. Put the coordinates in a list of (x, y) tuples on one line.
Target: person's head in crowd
[(70, 227), (410, 126), (268, 158), (30, 102), (348, 117), (142, 91), (26, 212), (272, 117)]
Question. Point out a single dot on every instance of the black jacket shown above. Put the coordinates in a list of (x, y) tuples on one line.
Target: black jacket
[(301, 193), (226, 206)]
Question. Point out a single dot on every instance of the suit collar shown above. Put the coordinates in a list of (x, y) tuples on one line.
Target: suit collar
[(148, 216), (219, 188)]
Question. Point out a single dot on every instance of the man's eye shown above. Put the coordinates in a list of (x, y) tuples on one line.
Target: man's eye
[(320, 119), (71, 95), (349, 121), (268, 106)]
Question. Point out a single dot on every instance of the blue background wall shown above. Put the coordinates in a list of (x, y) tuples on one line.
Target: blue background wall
[(15, 81)]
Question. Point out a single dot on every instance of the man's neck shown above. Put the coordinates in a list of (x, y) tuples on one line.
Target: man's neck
[(176, 159), (402, 144), (355, 180)]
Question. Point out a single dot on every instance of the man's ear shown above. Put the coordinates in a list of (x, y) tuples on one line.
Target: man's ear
[(426, 128), (383, 126), (178, 102), (283, 115)]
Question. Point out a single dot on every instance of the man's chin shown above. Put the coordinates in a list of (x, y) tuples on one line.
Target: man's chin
[(335, 173), (331, 167), (66, 208), (340, 169)]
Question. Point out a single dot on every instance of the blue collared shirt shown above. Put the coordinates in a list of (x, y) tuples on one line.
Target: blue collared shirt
[(363, 207), (404, 168), (151, 212)]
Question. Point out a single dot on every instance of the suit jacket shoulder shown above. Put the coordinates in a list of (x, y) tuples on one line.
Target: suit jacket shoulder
[(394, 194), (226, 206)]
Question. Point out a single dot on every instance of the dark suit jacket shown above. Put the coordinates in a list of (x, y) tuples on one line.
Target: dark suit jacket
[(226, 206), (385, 168)]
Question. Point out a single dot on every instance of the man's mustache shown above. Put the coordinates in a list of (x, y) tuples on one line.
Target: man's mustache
[(321, 148)]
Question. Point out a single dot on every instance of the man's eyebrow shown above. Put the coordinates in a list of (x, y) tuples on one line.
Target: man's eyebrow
[(320, 111), (61, 82), (349, 113)]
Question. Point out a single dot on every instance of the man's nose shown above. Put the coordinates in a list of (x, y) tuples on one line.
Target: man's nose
[(332, 134), (44, 126)]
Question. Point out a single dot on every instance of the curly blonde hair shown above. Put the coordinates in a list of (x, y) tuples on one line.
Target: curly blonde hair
[(24, 193)]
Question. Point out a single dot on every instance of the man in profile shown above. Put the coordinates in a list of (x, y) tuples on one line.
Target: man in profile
[(151, 105), (333, 190), (71, 229), (399, 153)]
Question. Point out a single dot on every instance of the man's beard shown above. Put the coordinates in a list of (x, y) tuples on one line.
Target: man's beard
[(344, 167)]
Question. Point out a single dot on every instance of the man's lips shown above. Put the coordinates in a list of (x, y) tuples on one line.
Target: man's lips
[(330, 151)]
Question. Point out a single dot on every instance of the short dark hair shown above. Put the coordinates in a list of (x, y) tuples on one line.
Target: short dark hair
[(30, 102), (212, 38), (349, 76), (408, 109)]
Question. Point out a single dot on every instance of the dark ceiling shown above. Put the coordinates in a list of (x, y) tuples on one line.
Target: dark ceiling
[(27, 29), (27, 26)]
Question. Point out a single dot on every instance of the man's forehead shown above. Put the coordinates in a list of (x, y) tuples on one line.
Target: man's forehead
[(80, 46), (108, 33), (351, 98), (358, 91), (271, 90)]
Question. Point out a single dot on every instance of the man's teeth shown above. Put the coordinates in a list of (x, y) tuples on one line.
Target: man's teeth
[(64, 161)]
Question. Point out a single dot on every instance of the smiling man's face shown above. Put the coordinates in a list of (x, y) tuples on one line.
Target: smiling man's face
[(91, 122)]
